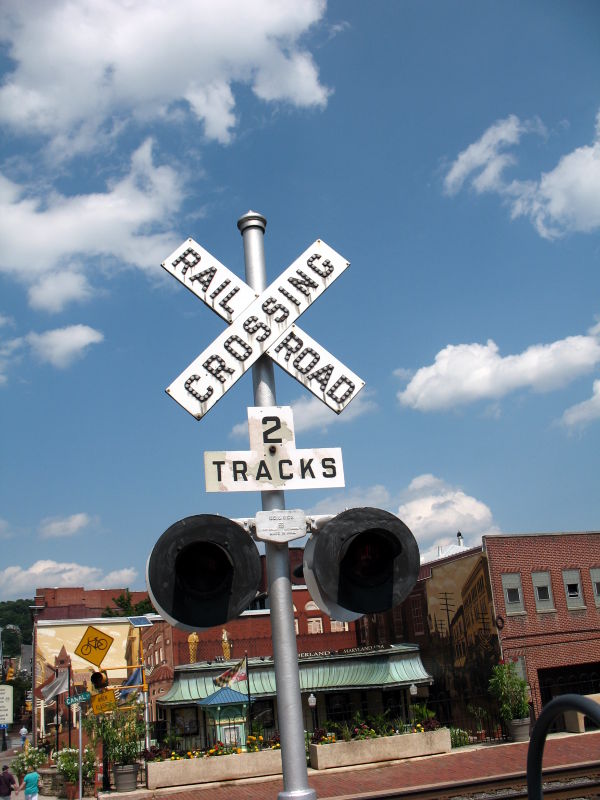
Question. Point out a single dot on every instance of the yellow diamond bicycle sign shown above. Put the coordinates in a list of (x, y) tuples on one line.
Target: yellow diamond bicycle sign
[(94, 645)]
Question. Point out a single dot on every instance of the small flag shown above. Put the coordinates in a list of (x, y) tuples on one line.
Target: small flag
[(239, 672), (134, 679), (56, 684)]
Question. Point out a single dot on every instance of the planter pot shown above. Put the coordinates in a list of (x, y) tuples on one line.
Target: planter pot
[(71, 790), (125, 777), (519, 729), (160, 774), (384, 748)]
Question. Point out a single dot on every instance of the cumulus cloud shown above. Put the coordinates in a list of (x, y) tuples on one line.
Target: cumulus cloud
[(466, 373), (581, 414), (53, 292), (16, 581), (126, 224), (433, 510), (10, 350), (101, 66), (565, 199), (376, 496), (310, 413), (59, 527), (62, 346)]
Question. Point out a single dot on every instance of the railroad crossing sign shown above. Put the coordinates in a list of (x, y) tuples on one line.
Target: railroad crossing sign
[(94, 645), (272, 463), (260, 324)]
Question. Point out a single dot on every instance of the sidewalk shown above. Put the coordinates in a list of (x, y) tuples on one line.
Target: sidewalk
[(475, 761)]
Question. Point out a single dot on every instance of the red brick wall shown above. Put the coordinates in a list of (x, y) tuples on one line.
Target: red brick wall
[(547, 639), (75, 602)]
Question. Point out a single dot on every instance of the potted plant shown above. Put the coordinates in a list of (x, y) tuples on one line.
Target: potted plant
[(479, 715), (511, 692), (122, 733), (67, 765)]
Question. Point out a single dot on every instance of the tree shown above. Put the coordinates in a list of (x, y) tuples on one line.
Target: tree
[(125, 608), (15, 612)]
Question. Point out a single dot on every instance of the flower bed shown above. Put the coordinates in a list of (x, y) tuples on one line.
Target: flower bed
[(182, 772), (383, 748)]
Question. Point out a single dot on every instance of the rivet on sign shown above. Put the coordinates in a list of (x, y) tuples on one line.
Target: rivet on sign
[(272, 449)]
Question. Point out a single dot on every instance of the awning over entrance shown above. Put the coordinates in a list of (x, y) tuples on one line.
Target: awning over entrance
[(376, 668)]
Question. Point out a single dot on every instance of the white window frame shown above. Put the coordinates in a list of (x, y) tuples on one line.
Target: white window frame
[(571, 577), (315, 622), (512, 581), (337, 626), (542, 580), (595, 578)]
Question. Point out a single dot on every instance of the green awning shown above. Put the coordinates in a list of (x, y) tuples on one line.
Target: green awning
[(399, 665)]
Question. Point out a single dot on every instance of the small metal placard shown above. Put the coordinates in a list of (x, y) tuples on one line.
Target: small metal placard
[(280, 525)]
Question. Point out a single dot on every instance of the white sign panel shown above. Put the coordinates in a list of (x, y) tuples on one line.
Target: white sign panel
[(272, 463), (6, 704), (208, 279), (322, 374), (259, 327), (280, 526)]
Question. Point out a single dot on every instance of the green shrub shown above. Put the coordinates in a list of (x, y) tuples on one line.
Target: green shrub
[(458, 737)]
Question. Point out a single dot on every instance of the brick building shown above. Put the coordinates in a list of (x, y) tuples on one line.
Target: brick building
[(546, 595), (75, 602)]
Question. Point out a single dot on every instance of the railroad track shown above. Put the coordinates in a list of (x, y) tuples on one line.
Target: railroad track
[(575, 781)]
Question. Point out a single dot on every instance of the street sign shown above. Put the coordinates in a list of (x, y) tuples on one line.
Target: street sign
[(259, 325), (272, 463), (280, 525), (6, 704), (104, 701), (94, 645), (83, 697)]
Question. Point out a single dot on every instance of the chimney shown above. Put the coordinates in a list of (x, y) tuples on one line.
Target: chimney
[(461, 541)]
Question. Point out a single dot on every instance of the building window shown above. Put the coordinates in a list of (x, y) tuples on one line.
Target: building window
[(338, 627), (542, 589), (296, 627), (595, 576), (574, 595), (417, 616), (315, 625), (513, 592), (311, 606)]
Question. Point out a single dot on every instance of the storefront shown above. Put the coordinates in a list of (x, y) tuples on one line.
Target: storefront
[(368, 681)]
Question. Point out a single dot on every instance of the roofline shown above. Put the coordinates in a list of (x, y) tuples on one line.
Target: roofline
[(539, 533)]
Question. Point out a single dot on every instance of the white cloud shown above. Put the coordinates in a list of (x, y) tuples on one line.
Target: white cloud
[(433, 510), (59, 527), (9, 352), (5, 320), (375, 496), (565, 199), (310, 413), (62, 346), (16, 581), (5, 530), (52, 292), (466, 373), (97, 67), (436, 511), (72, 233), (581, 414)]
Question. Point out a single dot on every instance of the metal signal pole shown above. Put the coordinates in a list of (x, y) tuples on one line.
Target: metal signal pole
[(285, 654)]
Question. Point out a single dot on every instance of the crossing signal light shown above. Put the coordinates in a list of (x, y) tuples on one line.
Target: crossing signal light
[(363, 561), (99, 680), (203, 571)]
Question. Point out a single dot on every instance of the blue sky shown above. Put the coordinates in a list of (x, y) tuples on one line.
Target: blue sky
[(449, 151)]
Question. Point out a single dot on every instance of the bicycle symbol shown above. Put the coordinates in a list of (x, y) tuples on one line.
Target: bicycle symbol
[(93, 644)]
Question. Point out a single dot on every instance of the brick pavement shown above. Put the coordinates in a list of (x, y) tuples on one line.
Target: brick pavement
[(471, 762)]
